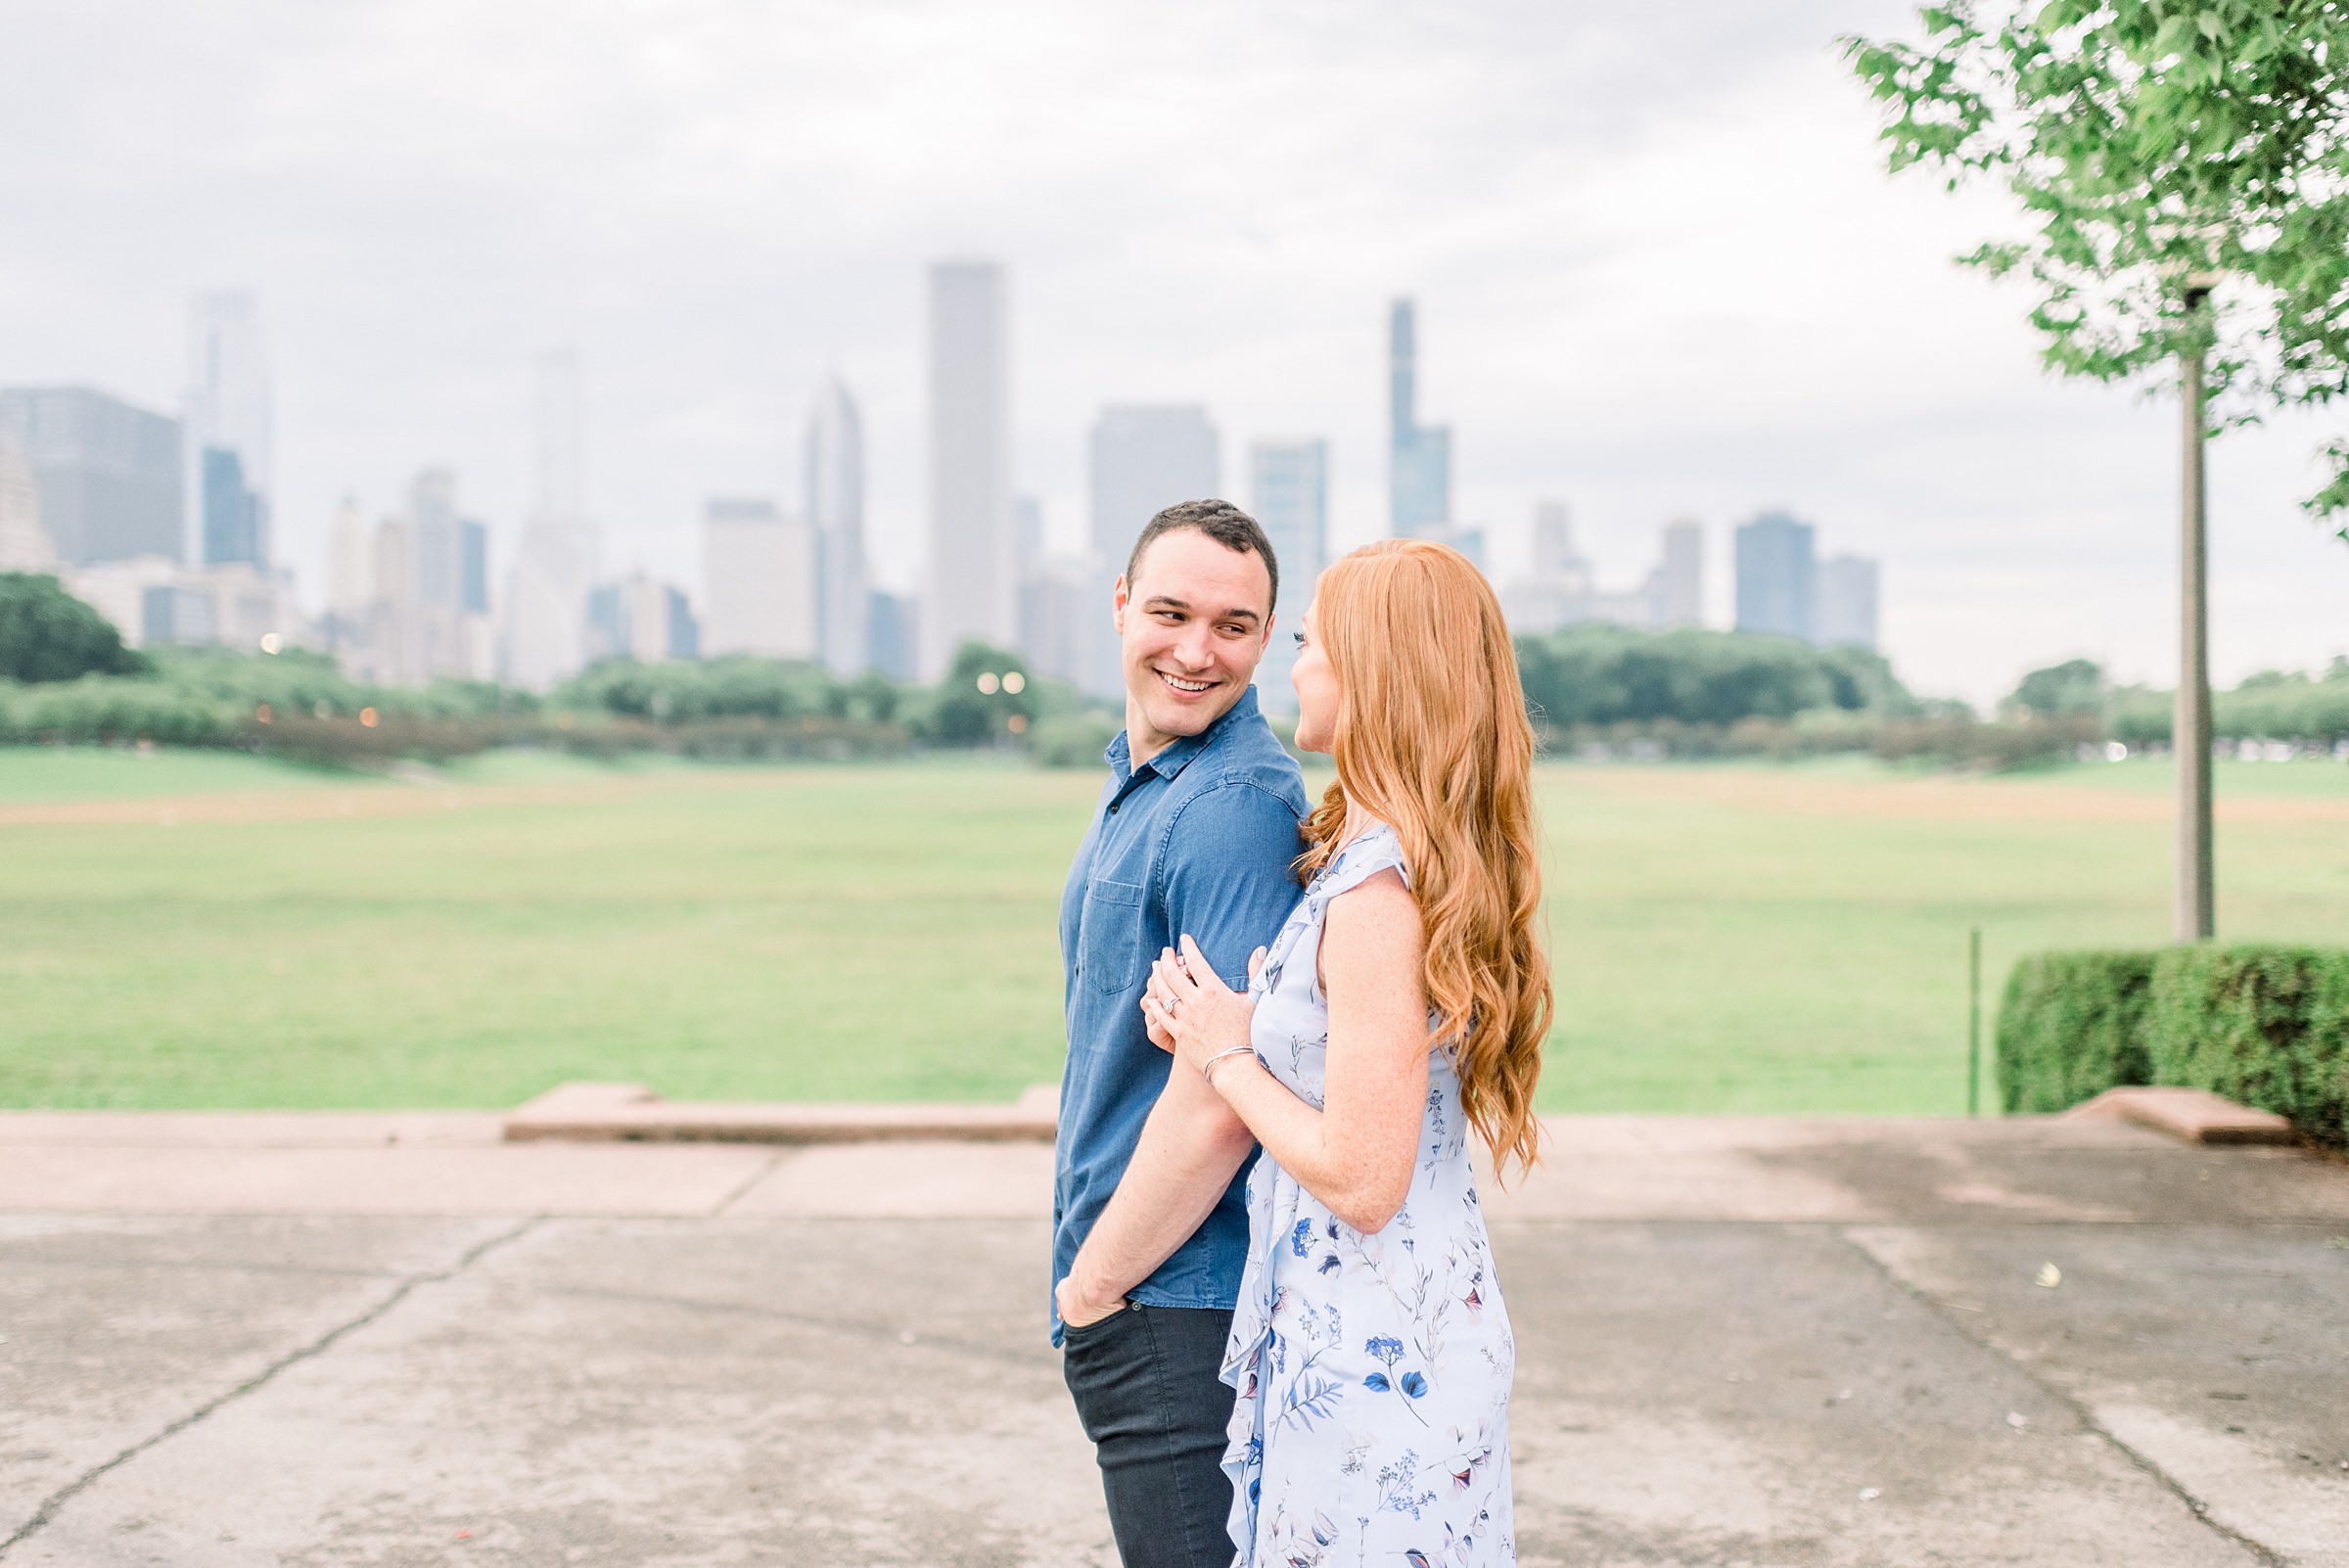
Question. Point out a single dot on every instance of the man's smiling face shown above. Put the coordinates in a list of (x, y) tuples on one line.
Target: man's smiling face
[(1193, 620)]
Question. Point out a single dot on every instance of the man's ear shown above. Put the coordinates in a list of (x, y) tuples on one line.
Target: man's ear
[(1117, 605)]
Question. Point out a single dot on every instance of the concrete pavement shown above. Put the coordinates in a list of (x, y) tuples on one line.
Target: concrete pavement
[(398, 1340)]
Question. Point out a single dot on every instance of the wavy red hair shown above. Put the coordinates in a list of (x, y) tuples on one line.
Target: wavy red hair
[(1432, 739)]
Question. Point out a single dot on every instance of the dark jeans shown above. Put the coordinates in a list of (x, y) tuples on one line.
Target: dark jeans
[(1147, 1390)]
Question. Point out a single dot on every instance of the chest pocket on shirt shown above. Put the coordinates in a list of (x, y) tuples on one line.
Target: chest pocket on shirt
[(1109, 937)]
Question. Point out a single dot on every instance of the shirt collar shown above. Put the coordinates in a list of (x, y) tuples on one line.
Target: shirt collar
[(1170, 762)]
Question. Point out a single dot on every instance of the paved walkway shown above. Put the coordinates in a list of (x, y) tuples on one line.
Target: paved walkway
[(396, 1340)]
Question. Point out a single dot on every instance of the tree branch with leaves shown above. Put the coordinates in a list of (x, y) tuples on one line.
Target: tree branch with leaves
[(2185, 173)]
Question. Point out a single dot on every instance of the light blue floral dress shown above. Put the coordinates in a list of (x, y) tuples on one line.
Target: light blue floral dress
[(1371, 1424)]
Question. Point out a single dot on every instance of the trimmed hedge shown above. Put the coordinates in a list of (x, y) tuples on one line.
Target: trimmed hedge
[(2071, 1026), (2266, 1026)]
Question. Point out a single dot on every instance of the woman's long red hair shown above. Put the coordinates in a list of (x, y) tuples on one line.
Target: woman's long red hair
[(1432, 739)]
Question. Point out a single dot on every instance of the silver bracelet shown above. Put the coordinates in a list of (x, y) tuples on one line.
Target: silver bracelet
[(1206, 1069)]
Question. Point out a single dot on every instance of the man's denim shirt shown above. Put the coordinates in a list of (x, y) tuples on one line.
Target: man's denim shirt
[(1199, 840)]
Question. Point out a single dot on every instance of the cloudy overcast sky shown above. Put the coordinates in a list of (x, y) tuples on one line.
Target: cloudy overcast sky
[(1659, 269)]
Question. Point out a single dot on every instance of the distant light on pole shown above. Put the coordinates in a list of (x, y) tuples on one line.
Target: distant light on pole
[(987, 683), (1014, 683), (271, 642)]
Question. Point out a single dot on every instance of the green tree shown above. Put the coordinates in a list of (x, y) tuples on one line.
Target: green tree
[(47, 634), (2186, 173), (2182, 164), (1600, 674), (977, 701), (876, 695), (2075, 686)]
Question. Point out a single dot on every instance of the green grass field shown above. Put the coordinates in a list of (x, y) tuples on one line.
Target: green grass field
[(214, 930)]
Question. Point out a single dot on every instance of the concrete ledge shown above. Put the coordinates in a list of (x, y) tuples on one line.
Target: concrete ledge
[(2195, 1115), (630, 1113)]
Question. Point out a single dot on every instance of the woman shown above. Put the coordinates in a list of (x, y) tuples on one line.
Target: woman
[(1402, 1006)]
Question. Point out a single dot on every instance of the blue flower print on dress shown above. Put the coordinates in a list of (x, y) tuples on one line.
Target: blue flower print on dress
[(1371, 1372)]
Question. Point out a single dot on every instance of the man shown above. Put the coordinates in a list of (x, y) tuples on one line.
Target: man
[(1195, 833)]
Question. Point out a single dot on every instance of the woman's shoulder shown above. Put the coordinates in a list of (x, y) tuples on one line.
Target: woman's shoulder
[(1377, 848)]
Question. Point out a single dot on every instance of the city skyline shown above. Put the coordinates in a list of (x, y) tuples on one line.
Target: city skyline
[(411, 602), (1557, 216)]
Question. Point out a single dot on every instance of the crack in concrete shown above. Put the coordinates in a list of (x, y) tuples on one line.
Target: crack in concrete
[(407, 1287), (748, 1182), (2080, 1409)]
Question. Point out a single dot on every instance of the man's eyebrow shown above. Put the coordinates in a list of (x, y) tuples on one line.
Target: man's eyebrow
[(1167, 601)]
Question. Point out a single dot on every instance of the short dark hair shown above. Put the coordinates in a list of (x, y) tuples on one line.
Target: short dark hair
[(1220, 521)]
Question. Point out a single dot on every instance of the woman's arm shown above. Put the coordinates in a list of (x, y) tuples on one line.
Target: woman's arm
[(1356, 1153)]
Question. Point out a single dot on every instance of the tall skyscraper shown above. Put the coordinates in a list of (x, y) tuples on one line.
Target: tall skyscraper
[(24, 544), (1053, 598), (1057, 613), (433, 520), (477, 630), (1027, 533), (350, 563), (1554, 543), (1288, 492), (971, 583), (1418, 456), (1778, 577), (349, 588), (893, 625), (546, 597), (473, 567), (406, 612), (1847, 602), (1559, 591), (1144, 458), (109, 473), (762, 582), (833, 469), (228, 429), (1680, 581)]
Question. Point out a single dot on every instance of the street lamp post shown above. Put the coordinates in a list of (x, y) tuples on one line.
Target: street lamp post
[(2192, 918)]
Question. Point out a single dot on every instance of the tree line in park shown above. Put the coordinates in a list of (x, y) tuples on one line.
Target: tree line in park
[(1591, 691), (1600, 691), (65, 677)]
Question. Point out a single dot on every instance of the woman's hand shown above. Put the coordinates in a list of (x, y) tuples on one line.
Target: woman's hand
[(1189, 1011)]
